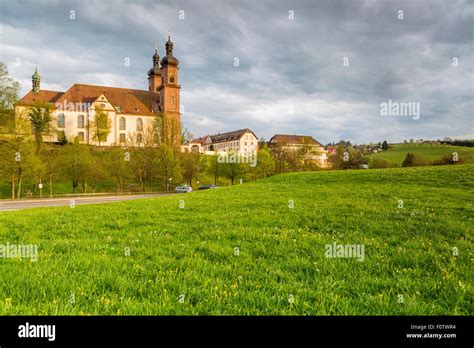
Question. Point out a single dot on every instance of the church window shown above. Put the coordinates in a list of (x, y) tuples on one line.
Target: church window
[(139, 138), (80, 135), (61, 121), (80, 121), (122, 123), (122, 137), (139, 124)]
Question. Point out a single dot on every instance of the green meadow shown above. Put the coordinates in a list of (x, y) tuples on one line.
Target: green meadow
[(430, 152), (254, 249)]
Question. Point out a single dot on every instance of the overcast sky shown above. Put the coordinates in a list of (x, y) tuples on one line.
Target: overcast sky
[(321, 68)]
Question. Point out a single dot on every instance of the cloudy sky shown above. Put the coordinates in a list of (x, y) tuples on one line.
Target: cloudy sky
[(321, 68)]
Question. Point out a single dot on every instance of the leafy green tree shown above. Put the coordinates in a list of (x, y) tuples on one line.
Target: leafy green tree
[(158, 128), (168, 130), (282, 157), (306, 157), (190, 165), (385, 145), (50, 157), (346, 158), (118, 165), (142, 159), (97, 167), (9, 89), (265, 165), (75, 162), (233, 169), (100, 126), (41, 122), (168, 167), (214, 168), (18, 162)]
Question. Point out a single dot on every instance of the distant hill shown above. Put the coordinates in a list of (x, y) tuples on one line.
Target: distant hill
[(397, 152)]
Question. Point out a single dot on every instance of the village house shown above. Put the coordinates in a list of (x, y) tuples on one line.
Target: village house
[(242, 141), (313, 148)]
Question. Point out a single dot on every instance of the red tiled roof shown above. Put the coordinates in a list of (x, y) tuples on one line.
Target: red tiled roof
[(42, 96), (295, 139), (230, 136), (201, 140), (130, 101)]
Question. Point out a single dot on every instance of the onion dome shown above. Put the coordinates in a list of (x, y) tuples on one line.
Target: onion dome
[(169, 59)]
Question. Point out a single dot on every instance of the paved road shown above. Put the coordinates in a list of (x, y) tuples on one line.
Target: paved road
[(6, 205)]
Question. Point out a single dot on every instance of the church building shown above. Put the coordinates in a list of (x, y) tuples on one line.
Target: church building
[(132, 113)]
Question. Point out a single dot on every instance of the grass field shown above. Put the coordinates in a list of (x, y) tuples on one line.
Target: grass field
[(397, 152), (242, 250)]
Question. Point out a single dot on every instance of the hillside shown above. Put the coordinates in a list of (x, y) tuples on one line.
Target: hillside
[(397, 152), (242, 250)]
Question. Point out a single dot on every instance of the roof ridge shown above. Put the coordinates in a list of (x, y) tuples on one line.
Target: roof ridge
[(50, 90), (101, 86), (294, 135), (234, 131)]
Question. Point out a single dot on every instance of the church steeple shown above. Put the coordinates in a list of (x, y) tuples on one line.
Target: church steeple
[(154, 74), (169, 59), (170, 96), (36, 79), (156, 57), (169, 46)]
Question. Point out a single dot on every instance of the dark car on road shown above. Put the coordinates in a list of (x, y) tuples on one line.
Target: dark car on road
[(207, 187)]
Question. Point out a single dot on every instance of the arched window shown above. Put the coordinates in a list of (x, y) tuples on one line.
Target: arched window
[(122, 137), (122, 123), (139, 138), (139, 124), (61, 120), (80, 121), (80, 135)]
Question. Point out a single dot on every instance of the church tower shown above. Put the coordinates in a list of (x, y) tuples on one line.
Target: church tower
[(170, 96), (36, 79), (154, 74)]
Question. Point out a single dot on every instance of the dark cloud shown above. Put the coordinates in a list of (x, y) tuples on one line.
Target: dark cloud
[(291, 77)]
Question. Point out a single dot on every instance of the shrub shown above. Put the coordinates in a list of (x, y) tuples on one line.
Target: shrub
[(413, 160), (381, 163), (448, 159)]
